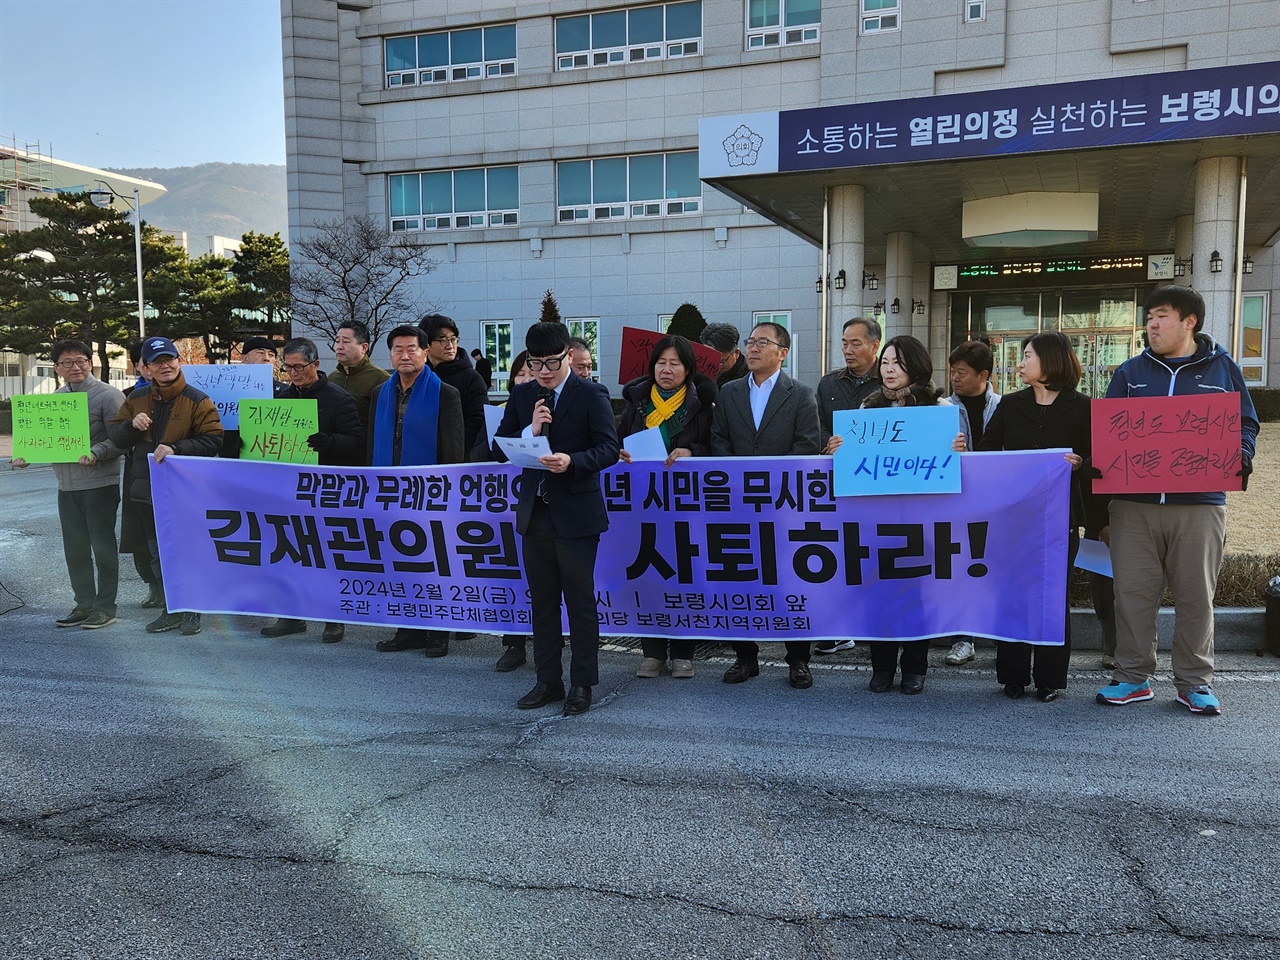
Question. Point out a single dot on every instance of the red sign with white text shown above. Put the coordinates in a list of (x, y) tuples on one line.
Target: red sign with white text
[(1182, 444), (637, 347)]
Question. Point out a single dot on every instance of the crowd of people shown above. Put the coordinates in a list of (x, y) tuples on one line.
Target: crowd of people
[(429, 409)]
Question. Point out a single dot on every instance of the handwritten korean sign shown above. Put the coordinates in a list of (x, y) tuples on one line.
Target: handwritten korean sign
[(51, 427), (896, 450), (637, 347), (278, 430), (228, 383), (1181, 444)]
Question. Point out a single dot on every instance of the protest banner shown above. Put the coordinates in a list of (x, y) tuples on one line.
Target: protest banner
[(637, 348), (717, 549), (896, 450), (229, 383), (51, 427), (278, 429), (1178, 444)]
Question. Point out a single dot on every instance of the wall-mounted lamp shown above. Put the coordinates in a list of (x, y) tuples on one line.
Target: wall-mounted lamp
[(870, 281), (1182, 267), (1215, 262), (878, 307), (896, 305), (1246, 265), (840, 280), (817, 287), (917, 306)]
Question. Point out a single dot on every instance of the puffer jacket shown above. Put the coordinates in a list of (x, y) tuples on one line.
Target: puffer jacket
[(693, 431)]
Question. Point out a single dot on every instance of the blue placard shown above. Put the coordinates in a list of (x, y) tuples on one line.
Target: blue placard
[(893, 450), (229, 383)]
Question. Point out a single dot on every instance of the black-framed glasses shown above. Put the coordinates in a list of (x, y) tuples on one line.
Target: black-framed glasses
[(296, 367), (67, 364), (550, 363), (447, 341), (759, 342)]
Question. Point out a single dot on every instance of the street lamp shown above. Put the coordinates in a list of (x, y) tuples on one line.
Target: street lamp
[(102, 198)]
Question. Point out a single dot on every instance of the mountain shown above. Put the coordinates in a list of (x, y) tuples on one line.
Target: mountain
[(217, 199)]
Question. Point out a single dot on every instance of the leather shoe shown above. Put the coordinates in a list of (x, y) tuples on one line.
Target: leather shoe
[(437, 644), (511, 658), (1013, 691), (801, 678), (741, 672), (881, 682), (912, 683), (334, 632), (155, 598), (1047, 694), (541, 694), (578, 701), (283, 626), (463, 635), (403, 640)]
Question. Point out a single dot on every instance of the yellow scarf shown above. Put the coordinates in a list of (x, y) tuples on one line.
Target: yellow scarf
[(664, 410)]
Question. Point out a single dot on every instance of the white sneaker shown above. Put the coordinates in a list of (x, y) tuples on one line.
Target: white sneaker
[(833, 646), (961, 652)]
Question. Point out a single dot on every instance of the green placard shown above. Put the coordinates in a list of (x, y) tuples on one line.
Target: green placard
[(278, 430), (51, 427)]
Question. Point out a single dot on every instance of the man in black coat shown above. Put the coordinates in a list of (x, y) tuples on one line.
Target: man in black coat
[(339, 441), (452, 366), (561, 512)]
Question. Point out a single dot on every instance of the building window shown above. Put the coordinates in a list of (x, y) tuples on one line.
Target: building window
[(455, 199), (659, 32), (10, 364), (1253, 338), (588, 328), (880, 15), (776, 23), (783, 319), (495, 344), (622, 188), (449, 55), (975, 10)]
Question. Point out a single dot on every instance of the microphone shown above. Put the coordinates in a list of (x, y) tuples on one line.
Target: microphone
[(547, 396)]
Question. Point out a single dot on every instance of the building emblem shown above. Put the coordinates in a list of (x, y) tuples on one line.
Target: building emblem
[(742, 147)]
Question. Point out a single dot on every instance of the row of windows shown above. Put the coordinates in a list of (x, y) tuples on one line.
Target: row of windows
[(658, 31), (609, 188)]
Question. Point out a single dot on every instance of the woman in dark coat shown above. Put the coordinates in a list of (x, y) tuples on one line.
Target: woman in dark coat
[(678, 400), (1048, 413)]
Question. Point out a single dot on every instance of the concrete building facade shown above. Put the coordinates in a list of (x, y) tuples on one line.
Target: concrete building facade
[(555, 144)]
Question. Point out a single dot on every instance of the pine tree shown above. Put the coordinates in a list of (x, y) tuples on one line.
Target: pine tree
[(550, 310), (687, 321)]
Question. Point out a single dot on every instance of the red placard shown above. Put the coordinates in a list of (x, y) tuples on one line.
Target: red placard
[(1183, 444), (637, 347)]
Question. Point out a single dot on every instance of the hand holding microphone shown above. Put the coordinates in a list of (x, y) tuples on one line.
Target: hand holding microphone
[(542, 409)]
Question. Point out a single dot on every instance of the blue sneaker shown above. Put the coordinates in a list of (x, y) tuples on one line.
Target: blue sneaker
[(1117, 694), (1200, 700)]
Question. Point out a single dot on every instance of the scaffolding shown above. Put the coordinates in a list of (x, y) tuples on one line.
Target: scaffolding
[(26, 171)]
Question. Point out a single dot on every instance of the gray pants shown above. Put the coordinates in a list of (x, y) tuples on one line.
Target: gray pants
[(1152, 544), (88, 519)]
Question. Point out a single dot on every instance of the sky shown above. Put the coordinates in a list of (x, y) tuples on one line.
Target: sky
[(143, 83)]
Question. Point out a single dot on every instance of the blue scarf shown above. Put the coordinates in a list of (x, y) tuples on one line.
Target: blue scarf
[(418, 433)]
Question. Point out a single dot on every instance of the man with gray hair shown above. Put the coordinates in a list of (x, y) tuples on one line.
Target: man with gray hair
[(339, 442), (724, 338)]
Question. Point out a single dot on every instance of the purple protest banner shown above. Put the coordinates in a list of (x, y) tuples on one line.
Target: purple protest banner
[(716, 549)]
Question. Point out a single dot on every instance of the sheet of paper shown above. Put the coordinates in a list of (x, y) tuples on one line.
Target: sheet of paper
[(646, 445), (524, 451), (1095, 556), (492, 418)]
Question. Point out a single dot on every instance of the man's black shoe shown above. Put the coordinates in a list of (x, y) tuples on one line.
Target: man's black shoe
[(76, 617), (578, 701), (190, 624), (511, 658), (741, 672), (165, 622), (463, 635), (403, 640), (283, 626), (541, 694), (334, 632), (912, 683), (801, 678), (437, 644), (155, 599)]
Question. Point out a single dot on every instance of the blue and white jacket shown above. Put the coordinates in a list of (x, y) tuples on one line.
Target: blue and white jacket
[(1210, 369)]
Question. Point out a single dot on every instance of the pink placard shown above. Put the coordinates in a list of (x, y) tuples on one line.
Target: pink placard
[(1182, 444), (637, 347)]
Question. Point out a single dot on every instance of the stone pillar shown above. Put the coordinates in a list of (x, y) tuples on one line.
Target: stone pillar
[(848, 253), (899, 263), (1217, 199)]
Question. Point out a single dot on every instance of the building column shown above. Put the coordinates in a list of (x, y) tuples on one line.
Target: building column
[(899, 263), (848, 253), (1217, 200)]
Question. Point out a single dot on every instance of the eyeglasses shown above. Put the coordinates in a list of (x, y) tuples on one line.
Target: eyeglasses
[(296, 367), (761, 342), (551, 363), (447, 341), (67, 364)]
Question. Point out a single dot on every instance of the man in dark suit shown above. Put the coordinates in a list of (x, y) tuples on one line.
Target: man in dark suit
[(561, 514), (766, 414)]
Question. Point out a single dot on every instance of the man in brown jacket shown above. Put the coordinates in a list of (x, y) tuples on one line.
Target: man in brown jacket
[(165, 417)]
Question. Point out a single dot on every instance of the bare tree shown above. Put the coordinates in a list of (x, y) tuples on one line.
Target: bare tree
[(355, 270)]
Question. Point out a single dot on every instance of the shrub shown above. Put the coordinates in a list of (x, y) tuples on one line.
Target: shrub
[(687, 321)]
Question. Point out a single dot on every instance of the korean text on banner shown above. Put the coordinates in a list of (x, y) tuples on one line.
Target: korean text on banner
[(51, 427), (278, 430), (709, 548), (229, 383), (1179, 444), (637, 347), (892, 450)]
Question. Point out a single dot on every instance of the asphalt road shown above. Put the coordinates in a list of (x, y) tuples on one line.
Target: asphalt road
[(228, 796)]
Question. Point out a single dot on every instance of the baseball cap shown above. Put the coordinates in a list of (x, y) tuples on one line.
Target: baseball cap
[(258, 343), (156, 347)]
